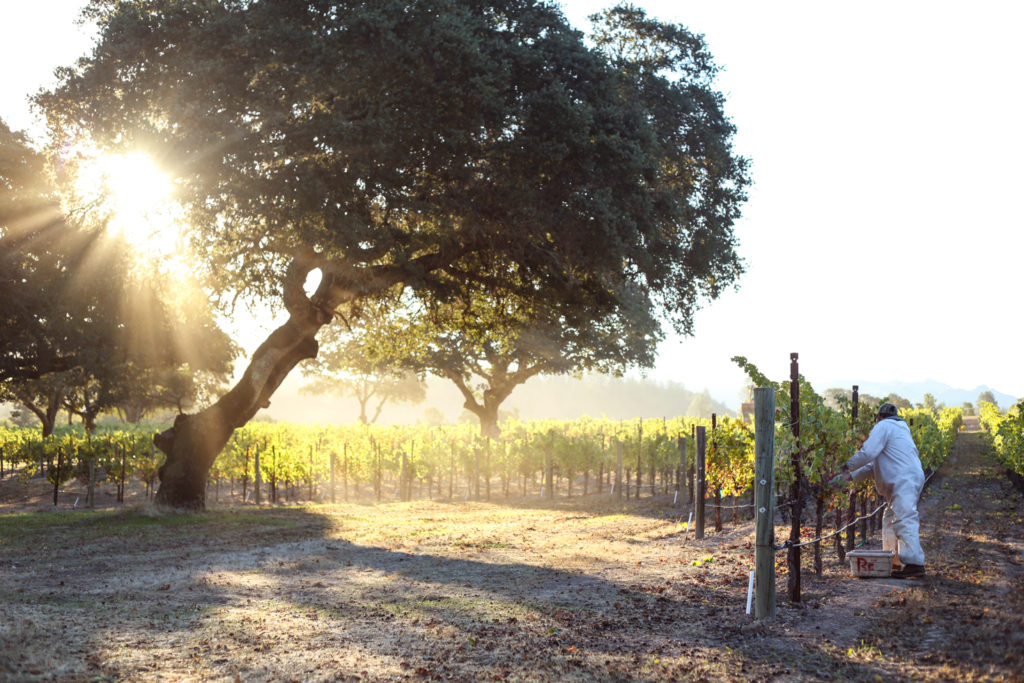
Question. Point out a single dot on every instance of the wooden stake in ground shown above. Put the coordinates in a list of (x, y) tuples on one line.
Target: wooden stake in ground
[(681, 471), (793, 554), (618, 469), (90, 496), (701, 484), (852, 511), (764, 502), (257, 476), (639, 448), (549, 489), (334, 459)]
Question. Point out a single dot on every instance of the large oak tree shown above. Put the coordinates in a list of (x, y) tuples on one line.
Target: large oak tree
[(430, 144)]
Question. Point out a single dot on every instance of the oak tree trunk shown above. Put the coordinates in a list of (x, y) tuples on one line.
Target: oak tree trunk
[(194, 441)]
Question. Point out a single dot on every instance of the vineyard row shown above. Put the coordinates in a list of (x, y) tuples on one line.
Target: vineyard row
[(581, 457)]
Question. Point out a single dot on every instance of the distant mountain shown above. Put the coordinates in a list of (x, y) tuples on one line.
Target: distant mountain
[(618, 398), (943, 393)]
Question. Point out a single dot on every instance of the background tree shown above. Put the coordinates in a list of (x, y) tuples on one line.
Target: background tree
[(898, 401), (929, 403), (432, 145), (359, 364), (834, 397), (701, 405), (987, 397), (55, 277), (42, 397), (840, 399), (170, 388), (197, 360), (83, 330), (488, 342)]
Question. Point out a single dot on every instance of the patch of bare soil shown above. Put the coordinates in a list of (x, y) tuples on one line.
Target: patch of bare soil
[(584, 589)]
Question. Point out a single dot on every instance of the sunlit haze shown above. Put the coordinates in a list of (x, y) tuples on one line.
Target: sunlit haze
[(137, 196), (883, 237)]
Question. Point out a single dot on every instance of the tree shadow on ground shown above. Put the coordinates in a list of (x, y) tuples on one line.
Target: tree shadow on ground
[(277, 593)]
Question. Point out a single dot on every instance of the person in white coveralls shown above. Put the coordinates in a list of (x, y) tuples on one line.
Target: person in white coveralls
[(890, 457)]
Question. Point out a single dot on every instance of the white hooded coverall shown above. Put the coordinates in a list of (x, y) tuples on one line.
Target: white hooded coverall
[(890, 457)]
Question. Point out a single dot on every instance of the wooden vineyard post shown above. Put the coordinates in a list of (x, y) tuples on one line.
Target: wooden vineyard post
[(863, 504), (840, 547), (378, 477), (864, 516), (680, 470), (257, 477), (819, 518), (311, 492), (691, 471), (451, 472), (852, 510), (120, 484), (639, 451), (718, 489), (56, 479), (793, 553), (245, 475), (273, 474), (875, 521), (549, 490), (851, 531), (487, 471), (90, 496), (764, 503), (344, 476), (701, 484), (334, 459), (344, 472), (618, 470), (476, 473), (403, 481)]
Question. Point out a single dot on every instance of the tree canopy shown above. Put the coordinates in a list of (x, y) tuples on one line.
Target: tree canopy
[(433, 143)]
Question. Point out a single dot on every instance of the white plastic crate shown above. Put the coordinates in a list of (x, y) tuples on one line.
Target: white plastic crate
[(871, 563)]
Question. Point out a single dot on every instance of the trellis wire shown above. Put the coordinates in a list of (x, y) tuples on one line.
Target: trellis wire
[(789, 544)]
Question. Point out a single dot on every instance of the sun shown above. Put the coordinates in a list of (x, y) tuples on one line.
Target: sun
[(135, 198)]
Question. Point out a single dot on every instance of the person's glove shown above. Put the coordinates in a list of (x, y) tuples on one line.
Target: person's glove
[(843, 477)]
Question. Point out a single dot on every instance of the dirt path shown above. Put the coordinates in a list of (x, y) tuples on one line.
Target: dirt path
[(965, 621), (580, 590)]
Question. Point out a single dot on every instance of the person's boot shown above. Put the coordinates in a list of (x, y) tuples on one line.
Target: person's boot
[(908, 571)]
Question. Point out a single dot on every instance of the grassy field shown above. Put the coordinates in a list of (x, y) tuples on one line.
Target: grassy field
[(580, 590)]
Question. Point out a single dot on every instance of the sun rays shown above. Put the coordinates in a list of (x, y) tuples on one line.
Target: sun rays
[(134, 199)]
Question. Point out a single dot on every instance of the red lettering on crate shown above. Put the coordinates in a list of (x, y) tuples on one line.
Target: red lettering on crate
[(865, 565)]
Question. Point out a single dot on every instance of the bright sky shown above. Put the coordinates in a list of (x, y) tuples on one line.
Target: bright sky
[(883, 231)]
